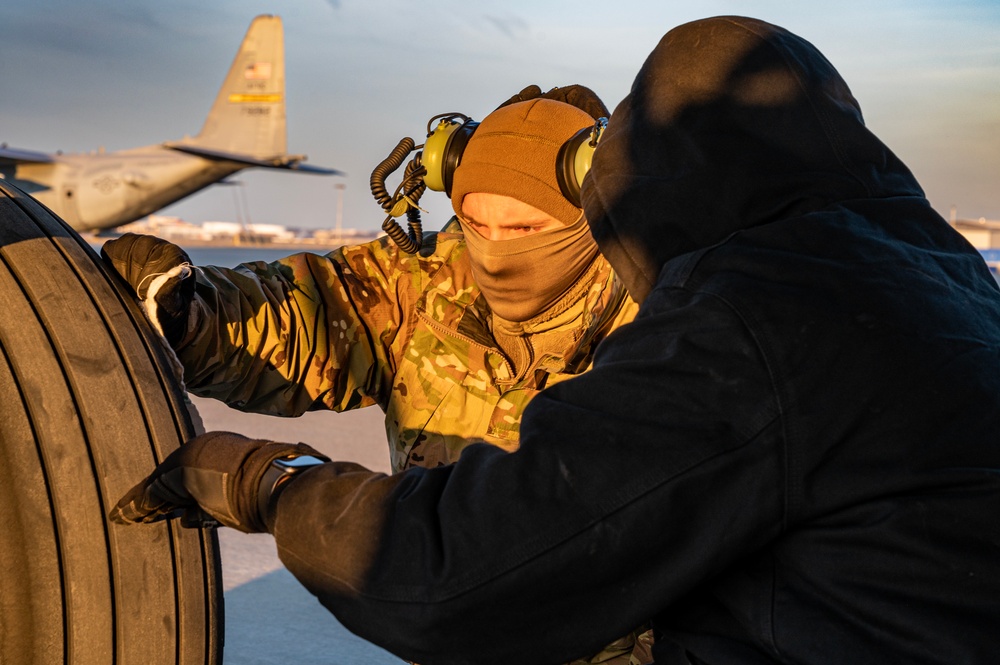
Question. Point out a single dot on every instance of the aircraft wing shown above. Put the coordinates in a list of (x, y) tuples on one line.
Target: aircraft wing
[(13, 155), (290, 162)]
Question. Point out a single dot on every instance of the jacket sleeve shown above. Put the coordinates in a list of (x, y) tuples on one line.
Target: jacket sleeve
[(634, 483), (305, 332)]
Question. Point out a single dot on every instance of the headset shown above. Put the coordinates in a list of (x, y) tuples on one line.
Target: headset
[(433, 167)]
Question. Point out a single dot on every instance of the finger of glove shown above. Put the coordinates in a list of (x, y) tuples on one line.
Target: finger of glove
[(581, 97), (529, 92), (144, 503), (161, 493), (117, 253), (131, 509), (138, 512)]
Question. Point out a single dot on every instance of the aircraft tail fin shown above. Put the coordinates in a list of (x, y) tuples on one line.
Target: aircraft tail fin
[(248, 116)]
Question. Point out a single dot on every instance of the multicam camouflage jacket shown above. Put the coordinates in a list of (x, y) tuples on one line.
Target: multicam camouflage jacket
[(369, 324)]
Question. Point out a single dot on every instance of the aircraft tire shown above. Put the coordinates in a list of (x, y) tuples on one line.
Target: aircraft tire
[(88, 404)]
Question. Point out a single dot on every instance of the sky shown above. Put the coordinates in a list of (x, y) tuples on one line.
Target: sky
[(78, 75)]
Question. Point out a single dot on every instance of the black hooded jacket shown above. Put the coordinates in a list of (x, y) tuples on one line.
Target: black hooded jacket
[(791, 456)]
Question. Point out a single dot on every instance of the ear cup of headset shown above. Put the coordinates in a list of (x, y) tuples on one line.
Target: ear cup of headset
[(566, 165), (442, 152), (574, 159)]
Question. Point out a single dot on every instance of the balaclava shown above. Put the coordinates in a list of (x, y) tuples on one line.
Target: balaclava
[(513, 153)]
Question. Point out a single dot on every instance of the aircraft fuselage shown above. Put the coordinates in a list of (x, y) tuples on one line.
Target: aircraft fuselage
[(101, 190)]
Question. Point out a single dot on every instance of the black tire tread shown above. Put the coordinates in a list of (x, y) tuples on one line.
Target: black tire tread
[(90, 405)]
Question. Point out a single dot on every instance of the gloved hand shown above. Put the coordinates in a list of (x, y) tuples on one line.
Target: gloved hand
[(579, 96), (148, 264), (219, 473)]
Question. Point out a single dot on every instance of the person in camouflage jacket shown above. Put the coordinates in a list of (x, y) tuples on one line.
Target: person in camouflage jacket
[(413, 333), (370, 324)]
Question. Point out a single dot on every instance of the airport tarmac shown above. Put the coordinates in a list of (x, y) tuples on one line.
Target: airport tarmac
[(270, 618)]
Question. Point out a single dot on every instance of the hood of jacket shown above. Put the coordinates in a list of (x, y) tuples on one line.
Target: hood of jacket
[(731, 123)]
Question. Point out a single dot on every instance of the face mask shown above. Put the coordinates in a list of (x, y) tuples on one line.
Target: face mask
[(523, 277)]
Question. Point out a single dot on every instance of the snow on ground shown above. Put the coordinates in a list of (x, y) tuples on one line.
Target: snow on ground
[(270, 618)]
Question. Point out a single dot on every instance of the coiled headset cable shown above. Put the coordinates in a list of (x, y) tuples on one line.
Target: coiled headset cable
[(404, 199), (443, 158)]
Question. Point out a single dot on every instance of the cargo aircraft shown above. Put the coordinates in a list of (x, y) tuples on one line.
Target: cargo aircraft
[(245, 128)]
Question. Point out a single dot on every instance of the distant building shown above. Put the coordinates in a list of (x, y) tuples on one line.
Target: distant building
[(273, 232), (984, 235), (170, 228), (981, 233), (234, 233), (344, 236)]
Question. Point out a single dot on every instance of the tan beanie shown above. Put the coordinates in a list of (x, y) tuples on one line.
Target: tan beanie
[(513, 153)]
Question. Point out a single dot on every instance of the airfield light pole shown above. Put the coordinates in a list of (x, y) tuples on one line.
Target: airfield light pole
[(340, 187), (242, 213)]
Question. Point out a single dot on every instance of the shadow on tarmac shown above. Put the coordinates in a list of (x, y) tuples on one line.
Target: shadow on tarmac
[(272, 620)]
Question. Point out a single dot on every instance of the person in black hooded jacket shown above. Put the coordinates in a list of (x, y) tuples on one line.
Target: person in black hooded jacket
[(792, 455)]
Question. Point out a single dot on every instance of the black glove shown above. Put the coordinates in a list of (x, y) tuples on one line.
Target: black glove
[(579, 96), (219, 473), (140, 260)]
